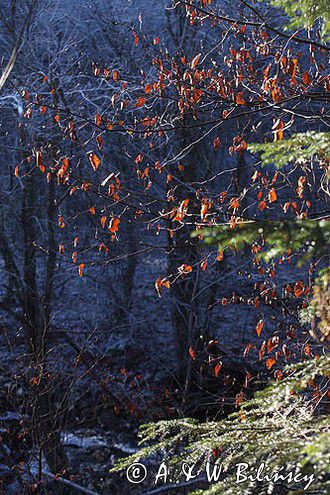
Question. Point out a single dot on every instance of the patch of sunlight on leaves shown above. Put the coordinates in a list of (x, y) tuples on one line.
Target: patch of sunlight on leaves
[(304, 14), (298, 149)]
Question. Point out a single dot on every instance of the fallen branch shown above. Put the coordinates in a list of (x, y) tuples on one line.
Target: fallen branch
[(69, 483)]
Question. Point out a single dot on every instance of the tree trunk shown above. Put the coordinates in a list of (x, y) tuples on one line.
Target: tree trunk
[(37, 313)]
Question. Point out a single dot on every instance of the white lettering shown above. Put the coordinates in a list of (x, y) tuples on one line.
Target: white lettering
[(161, 473), (241, 466)]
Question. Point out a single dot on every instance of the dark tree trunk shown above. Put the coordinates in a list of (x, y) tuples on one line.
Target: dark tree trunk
[(37, 312)]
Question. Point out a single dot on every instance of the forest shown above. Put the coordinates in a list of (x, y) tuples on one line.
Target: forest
[(164, 247)]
